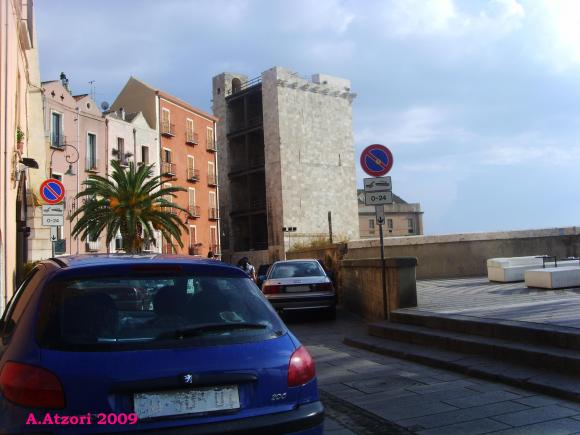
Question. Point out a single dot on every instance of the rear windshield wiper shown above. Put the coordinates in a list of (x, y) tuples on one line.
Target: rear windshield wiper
[(209, 327)]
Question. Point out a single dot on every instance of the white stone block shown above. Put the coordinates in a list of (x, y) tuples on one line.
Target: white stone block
[(554, 277)]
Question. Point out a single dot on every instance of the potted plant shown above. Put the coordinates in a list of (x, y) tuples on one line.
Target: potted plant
[(19, 138)]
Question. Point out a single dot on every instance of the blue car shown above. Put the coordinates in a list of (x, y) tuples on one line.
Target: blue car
[(150, 344)]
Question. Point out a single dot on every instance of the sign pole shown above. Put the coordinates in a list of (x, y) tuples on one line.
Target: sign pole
[(384, 275)]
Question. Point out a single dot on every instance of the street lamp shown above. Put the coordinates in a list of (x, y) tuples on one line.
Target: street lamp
[(69, 159), (288, 230)]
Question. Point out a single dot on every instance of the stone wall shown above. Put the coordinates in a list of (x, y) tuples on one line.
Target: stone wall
[(457, 255)]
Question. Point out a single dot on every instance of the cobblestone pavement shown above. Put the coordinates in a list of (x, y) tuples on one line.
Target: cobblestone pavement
[(366, 393), (513, 301)]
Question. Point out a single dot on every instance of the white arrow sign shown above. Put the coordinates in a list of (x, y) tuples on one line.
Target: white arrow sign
[(53, 234)]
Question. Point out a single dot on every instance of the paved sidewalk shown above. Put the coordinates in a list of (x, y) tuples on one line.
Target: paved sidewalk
[(511, 301), (366, 393)]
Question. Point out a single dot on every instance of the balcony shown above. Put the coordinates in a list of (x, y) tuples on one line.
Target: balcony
[(123, 162), (191, 138), (57, 141), (167, 129), (213, 214), (168, 169), (192, 175), (92, 246), (215, 249), (212, 180), (194, 250), (194, 211), (211, 145)]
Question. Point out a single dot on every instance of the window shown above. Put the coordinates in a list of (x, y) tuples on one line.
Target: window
[(91, 152), (371, 224), (166, 155), (212, 201), (145, 155), (165, 121), (296, 269), (213, 239), (211, 178), (191, 197), (60, 230), (121, 150), (192, 236), (20, 300), (189, 130), (190, 168), (411, 225), (57, 139), (210, 141), (390, 225)]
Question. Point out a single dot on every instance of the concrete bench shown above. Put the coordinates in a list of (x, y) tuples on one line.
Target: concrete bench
[(564, 276), (511, 269)]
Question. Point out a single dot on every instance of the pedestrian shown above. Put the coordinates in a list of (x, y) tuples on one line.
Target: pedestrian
[(247, 267), (210, 255)]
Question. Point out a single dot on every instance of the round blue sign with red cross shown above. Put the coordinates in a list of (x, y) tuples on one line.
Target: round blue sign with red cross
[(376, 160), (52, 191)]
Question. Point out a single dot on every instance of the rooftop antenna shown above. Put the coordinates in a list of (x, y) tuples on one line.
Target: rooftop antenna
[(93, 89)]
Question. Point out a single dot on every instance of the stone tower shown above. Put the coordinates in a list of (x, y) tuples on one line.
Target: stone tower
[(287, 160)]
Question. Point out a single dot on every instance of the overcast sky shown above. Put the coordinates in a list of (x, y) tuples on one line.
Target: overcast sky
[(479, 100)]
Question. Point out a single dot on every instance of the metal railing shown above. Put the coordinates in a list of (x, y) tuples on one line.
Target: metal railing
[(168, 168), (213, 213), (167, 129), (194, 211), (252, 82), (211, 145), (194, 250), (212, 180), (215, 248), (57, 141), (93, 246), (192, 174), (191, 138)]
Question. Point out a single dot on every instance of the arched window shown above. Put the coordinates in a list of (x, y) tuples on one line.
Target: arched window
[(236, 85)]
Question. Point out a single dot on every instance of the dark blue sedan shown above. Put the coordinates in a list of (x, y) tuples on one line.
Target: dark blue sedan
[(150, 344)]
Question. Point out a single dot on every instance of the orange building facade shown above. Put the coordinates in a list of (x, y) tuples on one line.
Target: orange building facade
[(188, 159)]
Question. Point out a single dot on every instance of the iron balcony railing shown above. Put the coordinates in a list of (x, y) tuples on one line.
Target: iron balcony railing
[(191, 138), (92, 165), (57, 141), (194, 211), (167, 129), (213, 213), (194, 250), (93, 246), (168, 169), (215, 248), (211, 146), (192, 174), (212, 180), (243, 86)]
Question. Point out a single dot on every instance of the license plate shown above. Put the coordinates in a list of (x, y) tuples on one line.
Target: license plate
[(200, 400), (297, 289)]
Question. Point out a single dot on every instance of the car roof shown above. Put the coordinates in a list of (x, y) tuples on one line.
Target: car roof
[(296, 260), (89, 260)]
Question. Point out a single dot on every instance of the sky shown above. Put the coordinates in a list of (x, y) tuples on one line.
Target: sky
[(478, 100)]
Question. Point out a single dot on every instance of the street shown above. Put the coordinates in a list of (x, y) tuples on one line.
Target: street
[(366, 393)]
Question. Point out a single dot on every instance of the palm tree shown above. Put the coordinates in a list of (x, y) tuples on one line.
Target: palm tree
[(132, 202)]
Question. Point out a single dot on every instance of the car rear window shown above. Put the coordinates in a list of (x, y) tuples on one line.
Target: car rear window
[(145, 312), (296, 269)]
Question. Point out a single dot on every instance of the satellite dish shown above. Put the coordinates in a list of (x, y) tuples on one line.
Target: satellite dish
[(105, 106)]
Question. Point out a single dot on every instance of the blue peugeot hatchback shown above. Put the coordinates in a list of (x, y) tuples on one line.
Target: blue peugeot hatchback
[(150, 344)]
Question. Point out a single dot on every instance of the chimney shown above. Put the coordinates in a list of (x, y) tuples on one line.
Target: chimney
[(121, 113), (64, 81)]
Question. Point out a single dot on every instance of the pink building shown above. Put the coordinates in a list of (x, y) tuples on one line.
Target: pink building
[(76, 135)]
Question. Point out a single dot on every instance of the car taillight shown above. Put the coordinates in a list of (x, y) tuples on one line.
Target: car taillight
[(271, 289), (31, 386), (324, 287), (301, 368)]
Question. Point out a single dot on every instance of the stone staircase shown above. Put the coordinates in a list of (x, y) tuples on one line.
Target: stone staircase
[(541, 357)]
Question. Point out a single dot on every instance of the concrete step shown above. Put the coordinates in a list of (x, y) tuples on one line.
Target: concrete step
[(526, 332), (528, 354), (543, 381)]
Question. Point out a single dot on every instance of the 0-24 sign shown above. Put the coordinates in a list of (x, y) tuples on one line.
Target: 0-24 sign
[(378, 198)]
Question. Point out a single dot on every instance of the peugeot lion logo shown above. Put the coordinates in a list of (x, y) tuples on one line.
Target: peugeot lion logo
[(188, 379)]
